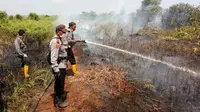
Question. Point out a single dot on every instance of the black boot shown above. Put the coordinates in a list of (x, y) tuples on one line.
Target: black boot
[(62, 104)]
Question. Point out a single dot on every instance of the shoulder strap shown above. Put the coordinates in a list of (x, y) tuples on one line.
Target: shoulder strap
[(59, 39)]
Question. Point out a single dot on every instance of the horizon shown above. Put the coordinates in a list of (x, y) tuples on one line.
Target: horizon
[(47, 8)]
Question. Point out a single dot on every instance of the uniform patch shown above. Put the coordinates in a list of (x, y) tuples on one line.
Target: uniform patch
[(57, 46)]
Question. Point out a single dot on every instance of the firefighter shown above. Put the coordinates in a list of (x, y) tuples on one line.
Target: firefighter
[(58, 59), (21, 52), (70, 42)]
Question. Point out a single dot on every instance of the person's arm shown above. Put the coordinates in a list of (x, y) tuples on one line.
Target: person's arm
[(17, 47), (70, 39), (54, 48), (74, 40)]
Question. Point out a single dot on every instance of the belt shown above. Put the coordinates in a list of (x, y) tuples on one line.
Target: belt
[(60, 59)]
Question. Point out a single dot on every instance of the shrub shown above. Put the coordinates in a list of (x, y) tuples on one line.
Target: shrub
[(19, 17), (179, 15), (33, 16), (11, 17), (3, 15)]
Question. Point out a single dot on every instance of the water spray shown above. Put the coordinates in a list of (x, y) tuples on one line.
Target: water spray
[(146, 57)]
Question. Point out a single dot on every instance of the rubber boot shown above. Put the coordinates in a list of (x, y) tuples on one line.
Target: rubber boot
[(74, 69), (26, 71), (60, 103), (63, 104)]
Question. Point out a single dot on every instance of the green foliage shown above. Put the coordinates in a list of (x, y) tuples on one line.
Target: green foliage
[(38, 31), (11, 17), (147, 13), (46, 16), (20, 92), (3, 15), (186, 32), (23, 90), (33, 16), (18, 16), (195, 18), (179, 15), (88, 15), (146, 3)]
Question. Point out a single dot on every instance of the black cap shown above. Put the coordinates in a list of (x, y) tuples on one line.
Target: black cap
[(61, 27), (72, 24)]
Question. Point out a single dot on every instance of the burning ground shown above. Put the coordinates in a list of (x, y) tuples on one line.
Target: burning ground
[(101, 87)]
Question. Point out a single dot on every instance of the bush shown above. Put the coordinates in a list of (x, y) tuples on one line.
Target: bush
[(179, 15), (11, 17), (3, 15), (88, 15), (147, 13), (33, 16), (19, 17), (46, 16)]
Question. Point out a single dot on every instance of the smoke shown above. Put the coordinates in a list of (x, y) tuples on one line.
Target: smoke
[(110, 25)]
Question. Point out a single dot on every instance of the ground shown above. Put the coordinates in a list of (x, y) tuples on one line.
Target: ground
[(101, 88)]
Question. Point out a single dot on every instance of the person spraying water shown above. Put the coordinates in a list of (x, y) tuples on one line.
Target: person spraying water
[(70, 41)]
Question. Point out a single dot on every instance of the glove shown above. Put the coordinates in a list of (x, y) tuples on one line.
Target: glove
[(83, 41), (25, 56)]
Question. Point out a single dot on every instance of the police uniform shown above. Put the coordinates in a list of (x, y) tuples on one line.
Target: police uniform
[(69, 41), (58, 64), (20, 50)]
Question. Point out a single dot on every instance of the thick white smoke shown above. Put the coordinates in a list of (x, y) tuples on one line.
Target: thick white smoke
[(114, 24)]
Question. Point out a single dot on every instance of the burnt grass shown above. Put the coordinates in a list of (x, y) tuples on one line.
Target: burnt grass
[(102, 87), (136, 95), (150, 45)]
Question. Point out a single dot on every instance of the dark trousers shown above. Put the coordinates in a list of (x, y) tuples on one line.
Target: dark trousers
[(24, 61), (70, 56), (60, 83)]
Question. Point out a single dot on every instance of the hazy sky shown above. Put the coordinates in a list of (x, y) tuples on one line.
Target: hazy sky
[(63, 7)]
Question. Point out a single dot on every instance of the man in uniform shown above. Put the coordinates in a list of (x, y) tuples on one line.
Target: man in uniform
[(21, 49), (70, 42), (58, 59)]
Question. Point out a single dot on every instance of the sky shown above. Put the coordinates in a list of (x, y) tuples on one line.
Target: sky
[(67, 7)]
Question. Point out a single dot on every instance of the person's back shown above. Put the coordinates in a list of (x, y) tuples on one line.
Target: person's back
[(20, 48)]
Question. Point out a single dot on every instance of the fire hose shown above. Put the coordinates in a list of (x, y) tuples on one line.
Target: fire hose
[(42, 94)]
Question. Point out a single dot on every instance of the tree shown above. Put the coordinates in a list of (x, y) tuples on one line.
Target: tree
[(47, 16), (3, 15), (11, 17), (19, 17), (88, 15), (146, 3), (33, 16), (149, 9), (179, 15), (147, 13)]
